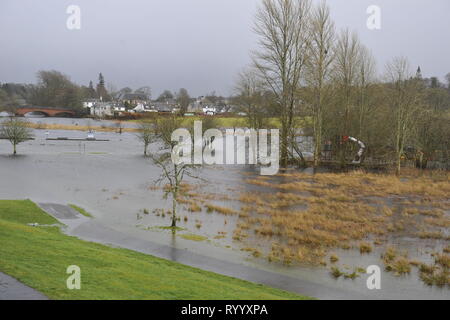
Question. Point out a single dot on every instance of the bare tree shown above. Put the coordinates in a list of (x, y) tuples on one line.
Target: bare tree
[(345, 74), (365, 83), (173, 173), (183, 99), (346, 70), (447, 78), (7, 102), (16, 131), (250, 98), (319, 67), (282, 28), (146, 134), (404, 94), (113, 91)]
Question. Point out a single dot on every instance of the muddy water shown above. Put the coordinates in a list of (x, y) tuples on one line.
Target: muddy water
[(115, 183)]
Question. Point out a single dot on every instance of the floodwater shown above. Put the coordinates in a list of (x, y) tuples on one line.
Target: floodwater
[(11, 289), (115, 183)]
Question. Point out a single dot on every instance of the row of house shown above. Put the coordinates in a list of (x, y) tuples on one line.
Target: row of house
[(139, 103)]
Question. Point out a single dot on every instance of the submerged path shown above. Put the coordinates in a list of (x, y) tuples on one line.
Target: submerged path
[(12, 289), (92, 230)]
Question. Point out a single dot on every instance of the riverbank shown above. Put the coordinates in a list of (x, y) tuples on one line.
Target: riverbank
[(127, 125), (39, 256)]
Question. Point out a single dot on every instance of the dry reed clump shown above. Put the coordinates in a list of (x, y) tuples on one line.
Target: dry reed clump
[(437, 274), (221, 235), (442, 259), (365, 247), (361, 183), (334, 258), (320, 226), (339, 209), (190, 193), (335, 272), (222, 210), (435, 235), (253, 251), (239, 234), (195, 208), (396, 262), (438, 222)]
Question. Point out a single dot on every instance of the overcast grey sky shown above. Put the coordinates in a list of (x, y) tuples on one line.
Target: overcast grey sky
[(196, 44)]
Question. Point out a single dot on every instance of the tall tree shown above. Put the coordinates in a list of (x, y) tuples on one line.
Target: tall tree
[(166, 95), (102, 93), (7, 101), (365, 86), (346, 68), (447, 78), (281, 26), (183, 100), (146, 134), (318, 68), (345, 73), (405, 99), (92, 92), (55, 89), (173, 173), (250, 98)]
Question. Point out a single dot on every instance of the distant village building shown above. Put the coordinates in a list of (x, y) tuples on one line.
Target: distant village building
[(205, 106), (141, 108), (90, 103), (209, 111), (166, 107), (198, 104), (134, 99), (100, 109)]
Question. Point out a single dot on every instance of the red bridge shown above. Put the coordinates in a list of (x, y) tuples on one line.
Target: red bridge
[(48, 112)]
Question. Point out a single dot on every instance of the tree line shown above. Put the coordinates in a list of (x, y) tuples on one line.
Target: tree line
[(304, 67), (53, 89)]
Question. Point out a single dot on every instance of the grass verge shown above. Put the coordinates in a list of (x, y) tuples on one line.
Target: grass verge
[(39, 257), (80, 210)]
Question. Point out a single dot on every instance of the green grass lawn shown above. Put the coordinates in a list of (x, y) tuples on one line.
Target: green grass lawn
[(39, 257)]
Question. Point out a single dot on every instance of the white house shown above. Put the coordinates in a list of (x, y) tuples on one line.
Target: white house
[(210, 111), (101, 109), (90, 103), (140, 107)]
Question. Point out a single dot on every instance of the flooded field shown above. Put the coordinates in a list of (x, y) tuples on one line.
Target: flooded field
[(234, 215)]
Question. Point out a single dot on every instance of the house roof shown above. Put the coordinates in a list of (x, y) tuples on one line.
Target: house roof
[(135, 96)]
